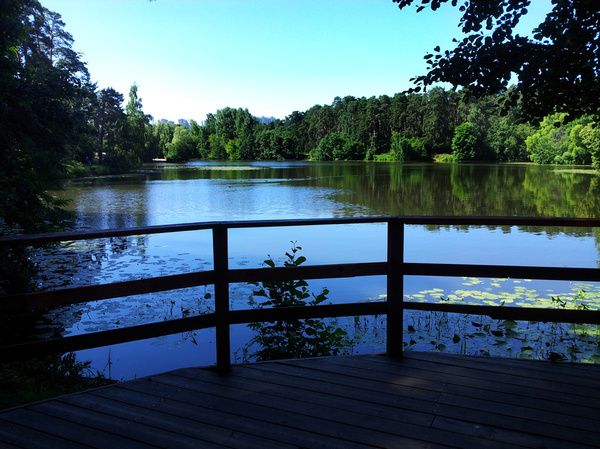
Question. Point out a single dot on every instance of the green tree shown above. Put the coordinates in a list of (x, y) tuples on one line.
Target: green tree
[(295, 139), (245, 125), (225, 130), (204, 136), (557, 142), (557, 68), (137, 122), (464, 143), (577, 151), (590, 136), (329, 147), (403, 149), (109, 120), (164, 132), (437, 128), (182, 148), (506, 136), (43, 87)]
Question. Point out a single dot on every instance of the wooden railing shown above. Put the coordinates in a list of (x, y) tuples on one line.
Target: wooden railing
[(221, 276)]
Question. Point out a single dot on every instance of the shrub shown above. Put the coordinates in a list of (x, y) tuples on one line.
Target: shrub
[(294, 338), (464, 143)]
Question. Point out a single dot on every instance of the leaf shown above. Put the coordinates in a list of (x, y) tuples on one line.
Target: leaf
[(300, 260), (498, 333), (456, 338)]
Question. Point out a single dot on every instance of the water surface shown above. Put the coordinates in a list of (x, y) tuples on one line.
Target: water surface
[(210, 191)]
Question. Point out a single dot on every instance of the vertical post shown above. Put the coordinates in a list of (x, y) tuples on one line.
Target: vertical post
[(221, 267), (395, 288)]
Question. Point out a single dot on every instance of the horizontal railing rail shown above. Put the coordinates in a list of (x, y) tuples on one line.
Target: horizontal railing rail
[(221, 276)]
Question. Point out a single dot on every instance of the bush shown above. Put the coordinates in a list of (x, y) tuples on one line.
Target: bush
[(590, 136), (294, 338), (37, 379), (79, 170), (403, 149), (338, 147), (444, 158), (464, 143), (557, 142)]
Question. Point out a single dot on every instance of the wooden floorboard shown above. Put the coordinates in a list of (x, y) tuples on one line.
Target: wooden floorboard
[(425, 400)]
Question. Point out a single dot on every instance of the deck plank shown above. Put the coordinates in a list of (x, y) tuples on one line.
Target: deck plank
[(495, 391), (425, 400)]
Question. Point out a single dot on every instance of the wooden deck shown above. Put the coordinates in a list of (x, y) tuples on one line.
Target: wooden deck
[(425, 401)]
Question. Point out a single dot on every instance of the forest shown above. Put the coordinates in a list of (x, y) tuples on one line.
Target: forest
[(440, 124)]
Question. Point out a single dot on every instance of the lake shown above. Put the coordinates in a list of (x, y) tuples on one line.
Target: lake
[(212, 191)]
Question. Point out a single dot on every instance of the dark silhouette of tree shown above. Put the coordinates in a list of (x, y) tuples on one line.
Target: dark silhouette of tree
[(557, 67), (44, 87)]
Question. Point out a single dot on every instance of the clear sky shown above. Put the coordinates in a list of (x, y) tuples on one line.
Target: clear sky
[(193, 57)]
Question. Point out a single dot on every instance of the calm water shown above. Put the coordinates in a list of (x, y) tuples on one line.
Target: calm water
[(201, 191)]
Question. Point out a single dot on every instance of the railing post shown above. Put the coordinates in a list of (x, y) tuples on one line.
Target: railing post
[(395, 288), (221, 267)]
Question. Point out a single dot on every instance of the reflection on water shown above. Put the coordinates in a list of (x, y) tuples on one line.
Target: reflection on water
[(204, 191)]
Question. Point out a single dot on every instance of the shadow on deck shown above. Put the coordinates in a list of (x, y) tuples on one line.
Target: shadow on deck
[(424, 400)]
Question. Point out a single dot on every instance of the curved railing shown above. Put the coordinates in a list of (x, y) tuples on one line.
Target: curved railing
[(221, 276)]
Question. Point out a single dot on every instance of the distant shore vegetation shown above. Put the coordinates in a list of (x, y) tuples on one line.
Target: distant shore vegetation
[(403, 127)]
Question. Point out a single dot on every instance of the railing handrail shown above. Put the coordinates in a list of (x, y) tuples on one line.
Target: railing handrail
[(407, 219), (395, 268)]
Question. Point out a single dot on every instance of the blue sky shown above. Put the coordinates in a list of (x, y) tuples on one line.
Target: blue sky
[(192, 57)]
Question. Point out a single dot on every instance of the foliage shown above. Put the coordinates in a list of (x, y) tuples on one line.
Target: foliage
[(43, 89), (403, 149), (294, 338), (108, 120), (590, 137), (182, 147), (137, 122), (464, 143), (557, 68), (444, 158), (507, 139), (337, 147), (558, 143), (52, 118), (482, 335), (417, 125), (37, 379)]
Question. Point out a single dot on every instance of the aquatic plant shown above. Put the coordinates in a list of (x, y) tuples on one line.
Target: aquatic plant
[(31, 380), (293, 338), (484, 336)]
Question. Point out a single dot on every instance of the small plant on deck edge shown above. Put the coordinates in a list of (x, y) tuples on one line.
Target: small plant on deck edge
[(296, 338)]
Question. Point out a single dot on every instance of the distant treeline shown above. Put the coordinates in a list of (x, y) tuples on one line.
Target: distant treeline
[(405, 127)]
